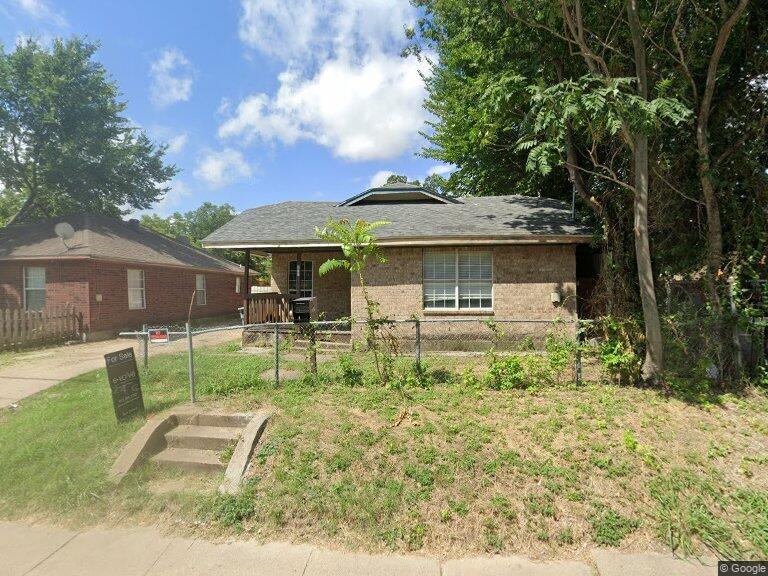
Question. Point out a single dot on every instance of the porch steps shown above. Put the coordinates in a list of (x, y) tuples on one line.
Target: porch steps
[(197, 444)]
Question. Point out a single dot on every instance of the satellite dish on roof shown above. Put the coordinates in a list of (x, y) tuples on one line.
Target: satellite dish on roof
[(64, 231)]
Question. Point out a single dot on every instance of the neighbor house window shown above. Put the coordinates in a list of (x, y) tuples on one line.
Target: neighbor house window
[(201, 295), (458, 280), (34, 288), (137, 297), (306, 279), (237, 284)]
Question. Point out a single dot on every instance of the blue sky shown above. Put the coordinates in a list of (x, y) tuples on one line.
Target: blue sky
[(261, 101)]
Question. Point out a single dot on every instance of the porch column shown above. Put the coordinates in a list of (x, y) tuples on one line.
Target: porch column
[(247, 286)]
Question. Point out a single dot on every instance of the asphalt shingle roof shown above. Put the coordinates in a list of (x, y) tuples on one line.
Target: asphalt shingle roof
[(485, 216), (101, 237)]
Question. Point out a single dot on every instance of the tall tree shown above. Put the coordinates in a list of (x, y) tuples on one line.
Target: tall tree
[(195, 225), (563, 71), (64, 142)]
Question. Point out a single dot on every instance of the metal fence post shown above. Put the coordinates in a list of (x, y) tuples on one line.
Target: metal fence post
[(277, 354), (577, 359), (191, 364), (418, 343), (145, 345)]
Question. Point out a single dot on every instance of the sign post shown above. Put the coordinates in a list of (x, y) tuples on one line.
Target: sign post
[(125, 385)]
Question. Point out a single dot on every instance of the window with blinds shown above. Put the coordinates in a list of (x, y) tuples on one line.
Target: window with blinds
[(458, 280)]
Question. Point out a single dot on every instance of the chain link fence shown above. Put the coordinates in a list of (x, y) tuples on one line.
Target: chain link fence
[(291, 350)]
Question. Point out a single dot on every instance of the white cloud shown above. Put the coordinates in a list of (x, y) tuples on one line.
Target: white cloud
[(172, 78), (368, 111), (219, 168), (440, 169), (177, 143), (317, 30), (40, 10), (380, 178), (345, 85)]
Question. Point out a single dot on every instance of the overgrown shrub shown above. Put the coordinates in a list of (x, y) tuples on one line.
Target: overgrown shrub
[(351, 375), (522, 372), (618, 350)]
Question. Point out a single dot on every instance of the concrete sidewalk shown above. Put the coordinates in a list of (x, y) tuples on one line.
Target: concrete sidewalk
[(48, 551), (37, 370)]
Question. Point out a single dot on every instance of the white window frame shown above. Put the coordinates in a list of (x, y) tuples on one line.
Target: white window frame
[(292, 277), (38, 289), (238, 284), (132, 305), (201, 294), (456, 282)]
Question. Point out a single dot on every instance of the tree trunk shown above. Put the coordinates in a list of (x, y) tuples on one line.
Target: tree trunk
[(654, 357), (714, 226)]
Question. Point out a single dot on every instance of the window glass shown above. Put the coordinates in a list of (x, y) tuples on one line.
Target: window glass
[(457, 279), (440, 279), (34, 288), (475, 280), (201, 296), (306, 278), (136, 290)]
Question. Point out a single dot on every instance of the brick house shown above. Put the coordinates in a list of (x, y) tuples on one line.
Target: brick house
[(504, 257), (117, 274)]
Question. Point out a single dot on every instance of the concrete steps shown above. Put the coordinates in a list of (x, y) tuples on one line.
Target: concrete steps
[(202, 437), (190, 459), (197, 442)]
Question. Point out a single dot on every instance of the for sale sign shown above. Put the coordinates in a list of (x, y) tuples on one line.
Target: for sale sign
[(125, 385), (158, 335)]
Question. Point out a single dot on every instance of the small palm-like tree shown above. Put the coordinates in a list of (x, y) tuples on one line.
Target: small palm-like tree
[(358, 245)]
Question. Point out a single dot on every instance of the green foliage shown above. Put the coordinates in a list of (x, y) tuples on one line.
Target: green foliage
[(65, 144), (560, 350), (599, 107), (616, 351), (231, 510), (506, 374), (609, 527), (358, 245), (357, 241), (351, 375), (196, 224)]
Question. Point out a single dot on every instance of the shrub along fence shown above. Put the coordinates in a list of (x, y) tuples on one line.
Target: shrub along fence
[(537, 345), (25, 328)]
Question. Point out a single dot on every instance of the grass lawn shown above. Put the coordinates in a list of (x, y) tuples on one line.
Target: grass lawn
[(450, 468)]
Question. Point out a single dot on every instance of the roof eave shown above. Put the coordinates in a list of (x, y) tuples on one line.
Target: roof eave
[(413, 241)]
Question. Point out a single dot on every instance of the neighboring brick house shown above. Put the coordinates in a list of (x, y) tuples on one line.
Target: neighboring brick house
[(117, 274), (504, 257)]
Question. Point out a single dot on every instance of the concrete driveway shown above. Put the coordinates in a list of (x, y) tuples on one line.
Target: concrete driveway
[(31, 372)]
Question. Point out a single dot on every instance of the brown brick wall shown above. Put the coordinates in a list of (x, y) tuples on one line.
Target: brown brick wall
[(66, 284), (77, 282), (168, 292), (524, 276), (332, 290)]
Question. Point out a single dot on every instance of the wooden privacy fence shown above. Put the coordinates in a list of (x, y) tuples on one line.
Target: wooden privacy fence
[(267, 307), (20, 328)]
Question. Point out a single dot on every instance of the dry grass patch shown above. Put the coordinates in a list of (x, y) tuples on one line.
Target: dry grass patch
[(472, 470)]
